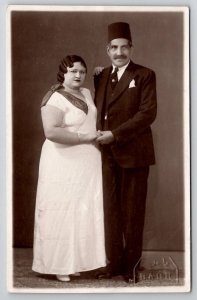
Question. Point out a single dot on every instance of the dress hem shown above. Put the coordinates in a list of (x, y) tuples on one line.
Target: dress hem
[(68, 273)]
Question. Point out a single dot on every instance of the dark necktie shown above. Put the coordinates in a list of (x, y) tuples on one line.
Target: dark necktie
[(114, 78)]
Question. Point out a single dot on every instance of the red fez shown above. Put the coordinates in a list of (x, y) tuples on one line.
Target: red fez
[(119, 30)]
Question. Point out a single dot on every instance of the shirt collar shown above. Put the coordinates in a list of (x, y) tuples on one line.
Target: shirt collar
[(122, 69)]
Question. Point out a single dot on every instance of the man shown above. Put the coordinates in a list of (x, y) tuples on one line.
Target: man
[(125, 96)]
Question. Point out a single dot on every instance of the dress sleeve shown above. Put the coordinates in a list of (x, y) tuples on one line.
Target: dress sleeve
[(57, 101)]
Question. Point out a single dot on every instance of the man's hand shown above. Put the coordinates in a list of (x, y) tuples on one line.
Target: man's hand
[(98, 70), (106, 137)]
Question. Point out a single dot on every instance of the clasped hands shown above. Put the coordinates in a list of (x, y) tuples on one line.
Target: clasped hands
[(100, 137), (104, 137)]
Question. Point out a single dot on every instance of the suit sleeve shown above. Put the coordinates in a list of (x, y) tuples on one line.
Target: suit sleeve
[(145, 115), (96, 80)]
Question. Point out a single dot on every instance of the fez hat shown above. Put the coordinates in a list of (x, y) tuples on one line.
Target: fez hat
[(119, 30)]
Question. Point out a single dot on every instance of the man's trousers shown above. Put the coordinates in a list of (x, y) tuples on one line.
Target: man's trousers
[(125, 191)]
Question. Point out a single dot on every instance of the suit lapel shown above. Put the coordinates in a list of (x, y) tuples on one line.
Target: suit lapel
[(123, 83)]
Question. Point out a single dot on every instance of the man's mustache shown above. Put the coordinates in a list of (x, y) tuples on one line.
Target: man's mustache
[(119, 56)]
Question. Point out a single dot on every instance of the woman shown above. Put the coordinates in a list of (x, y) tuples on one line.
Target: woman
[(69, 229)]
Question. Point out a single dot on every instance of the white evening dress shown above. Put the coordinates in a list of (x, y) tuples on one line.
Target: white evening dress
[(69, 225)]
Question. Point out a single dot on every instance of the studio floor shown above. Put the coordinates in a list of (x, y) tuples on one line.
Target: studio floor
[(158, 269)]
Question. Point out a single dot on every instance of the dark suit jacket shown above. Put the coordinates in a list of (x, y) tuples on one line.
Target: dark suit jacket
[(130, 113)]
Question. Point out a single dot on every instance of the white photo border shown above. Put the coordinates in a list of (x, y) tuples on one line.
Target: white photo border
[(9, 184)]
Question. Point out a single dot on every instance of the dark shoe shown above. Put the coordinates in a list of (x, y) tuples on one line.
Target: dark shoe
[(103, 275), (129, 278)]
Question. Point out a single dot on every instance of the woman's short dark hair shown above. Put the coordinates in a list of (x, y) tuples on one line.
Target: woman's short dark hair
[(68, 62)]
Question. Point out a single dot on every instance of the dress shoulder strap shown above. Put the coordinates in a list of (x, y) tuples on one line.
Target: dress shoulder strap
[(47, 96), (74, 100)]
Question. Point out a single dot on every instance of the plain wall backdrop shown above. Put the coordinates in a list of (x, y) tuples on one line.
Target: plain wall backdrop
[(39, 41)]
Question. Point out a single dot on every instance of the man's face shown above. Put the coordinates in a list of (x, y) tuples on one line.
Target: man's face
[(119, 51)]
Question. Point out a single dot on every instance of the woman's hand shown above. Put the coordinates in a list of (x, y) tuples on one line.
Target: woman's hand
[(105, 137), (87, 137)]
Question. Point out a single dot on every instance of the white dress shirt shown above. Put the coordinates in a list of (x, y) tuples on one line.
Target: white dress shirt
[(120, 70)]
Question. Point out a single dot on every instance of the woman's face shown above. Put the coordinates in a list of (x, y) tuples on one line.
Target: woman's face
[(75, 76)]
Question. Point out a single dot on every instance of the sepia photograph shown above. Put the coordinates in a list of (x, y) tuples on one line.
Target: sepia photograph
[(98, 149)]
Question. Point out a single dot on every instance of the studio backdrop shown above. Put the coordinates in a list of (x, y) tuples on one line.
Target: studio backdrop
[(39, 40)]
